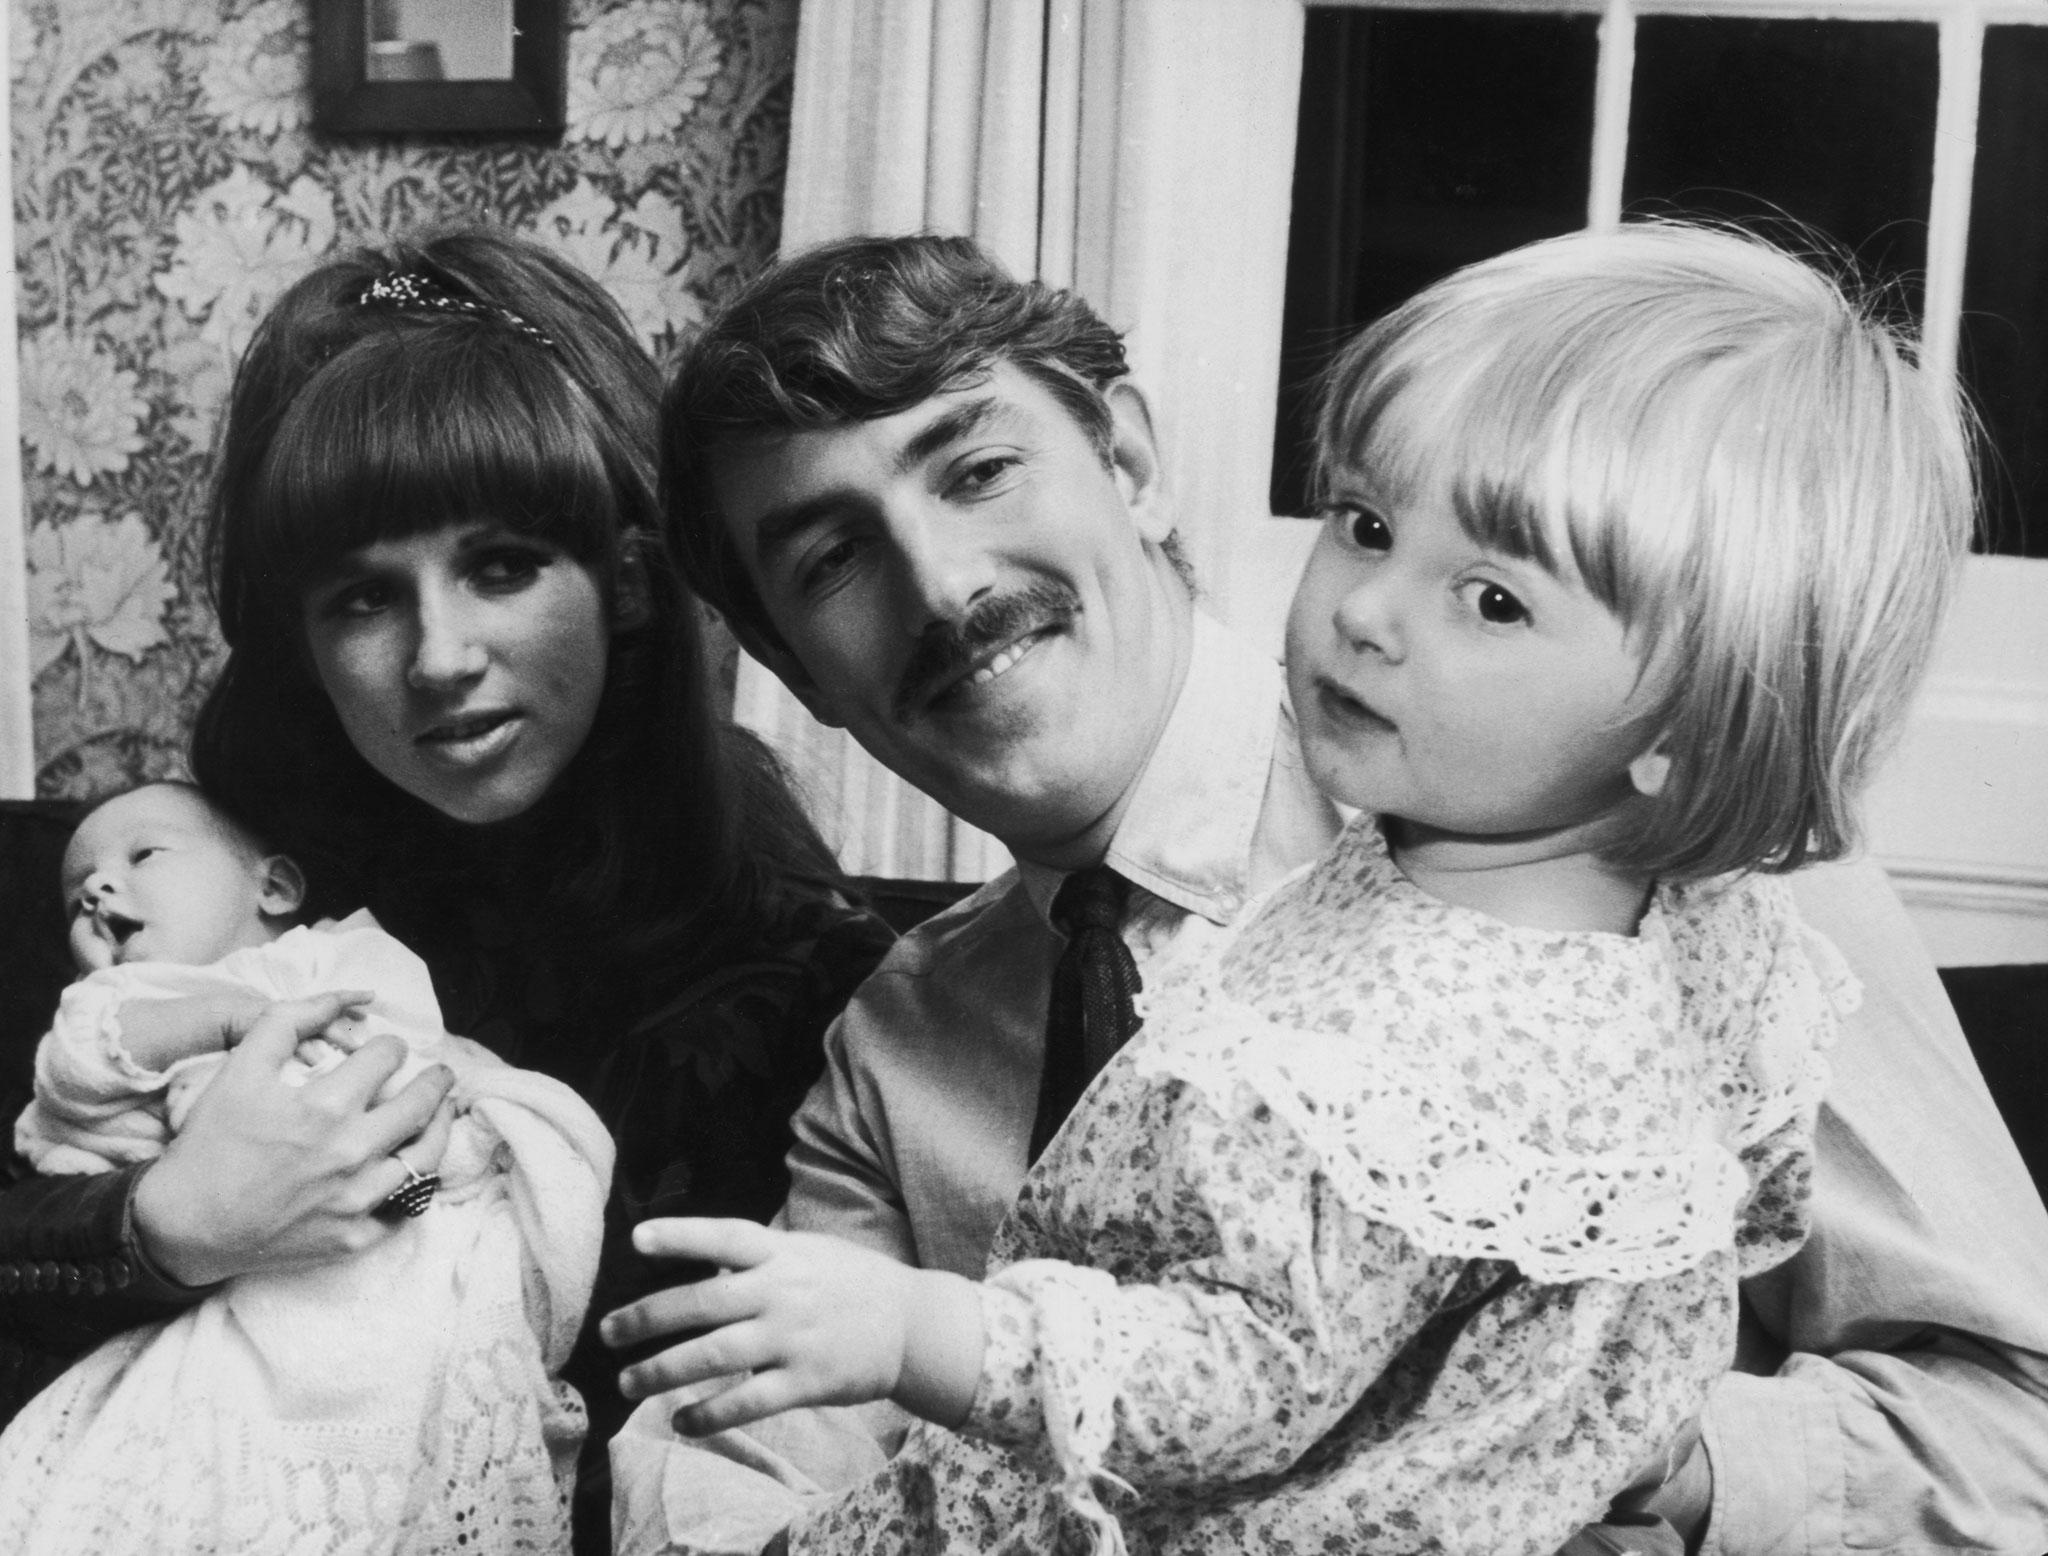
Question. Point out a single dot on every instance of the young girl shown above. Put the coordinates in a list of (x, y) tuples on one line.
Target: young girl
[(1413, 1218), (405, 1399)]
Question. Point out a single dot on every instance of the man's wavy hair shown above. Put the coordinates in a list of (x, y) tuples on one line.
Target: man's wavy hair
[(1736, 455), (857, 330)]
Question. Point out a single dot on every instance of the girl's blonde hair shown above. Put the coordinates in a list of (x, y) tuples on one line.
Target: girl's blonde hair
[(1736, 456)]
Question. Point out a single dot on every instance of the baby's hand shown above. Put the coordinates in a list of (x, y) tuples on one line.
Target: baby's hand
[(159, 1033), (816, 1321), (349, 1030)]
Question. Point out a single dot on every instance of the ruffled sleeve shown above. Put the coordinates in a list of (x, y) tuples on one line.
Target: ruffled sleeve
[(1768, 994)]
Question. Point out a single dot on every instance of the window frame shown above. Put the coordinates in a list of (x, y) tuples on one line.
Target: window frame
[(1956, 817)]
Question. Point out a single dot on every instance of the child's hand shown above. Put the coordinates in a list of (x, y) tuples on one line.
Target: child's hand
[(816, 1321)]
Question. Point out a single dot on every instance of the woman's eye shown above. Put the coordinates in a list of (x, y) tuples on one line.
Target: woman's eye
[(363, 598), (1365, 528), (508, 568), (1498, 606)]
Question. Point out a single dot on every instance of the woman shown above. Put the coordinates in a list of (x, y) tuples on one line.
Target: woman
[(466, 691)]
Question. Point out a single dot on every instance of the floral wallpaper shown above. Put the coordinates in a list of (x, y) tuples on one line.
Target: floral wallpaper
[(168, 185)]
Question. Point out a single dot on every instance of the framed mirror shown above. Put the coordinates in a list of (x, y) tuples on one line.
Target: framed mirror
[(390, 67)]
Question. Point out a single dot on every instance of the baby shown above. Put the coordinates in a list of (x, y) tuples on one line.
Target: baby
[(404, 1399)]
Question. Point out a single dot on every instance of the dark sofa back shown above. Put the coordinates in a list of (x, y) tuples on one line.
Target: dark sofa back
[(35, 963), (2004, 1010)]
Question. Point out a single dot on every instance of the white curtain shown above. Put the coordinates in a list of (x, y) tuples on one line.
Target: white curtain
[(1138, 150)]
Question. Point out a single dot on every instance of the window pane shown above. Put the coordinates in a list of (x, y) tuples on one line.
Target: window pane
[(1830, 123), (1426, 141), (2005, 288)]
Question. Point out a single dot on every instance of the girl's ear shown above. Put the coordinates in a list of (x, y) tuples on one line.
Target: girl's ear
[(1650, 771), (284, 886), (631, 607)]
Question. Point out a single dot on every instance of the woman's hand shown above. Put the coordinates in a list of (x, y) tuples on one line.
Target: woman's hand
[(816, 1321), (265, 1175)]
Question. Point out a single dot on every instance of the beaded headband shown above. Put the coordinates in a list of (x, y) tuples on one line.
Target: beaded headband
[(410, 291)]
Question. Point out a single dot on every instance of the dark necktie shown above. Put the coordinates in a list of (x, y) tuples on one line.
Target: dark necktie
[(1093, 984)]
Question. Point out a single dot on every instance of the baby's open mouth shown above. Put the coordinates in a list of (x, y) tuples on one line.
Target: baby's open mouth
[(120, 928)]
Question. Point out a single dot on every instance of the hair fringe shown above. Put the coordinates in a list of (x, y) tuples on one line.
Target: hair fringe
[(1735, 451)]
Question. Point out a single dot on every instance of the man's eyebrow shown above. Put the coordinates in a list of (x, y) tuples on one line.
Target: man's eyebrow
[(778, 526), (961, 421)]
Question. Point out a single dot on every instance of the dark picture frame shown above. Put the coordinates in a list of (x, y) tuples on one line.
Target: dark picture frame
[(531, 102)]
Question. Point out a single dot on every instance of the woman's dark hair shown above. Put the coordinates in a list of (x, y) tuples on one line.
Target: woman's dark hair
[(460, 376)]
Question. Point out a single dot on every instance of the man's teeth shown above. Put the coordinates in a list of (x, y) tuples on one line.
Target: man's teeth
[(1003, 661)]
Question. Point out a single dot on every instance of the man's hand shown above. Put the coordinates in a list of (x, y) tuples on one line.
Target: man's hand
[(265, 1175), (814, 1320)]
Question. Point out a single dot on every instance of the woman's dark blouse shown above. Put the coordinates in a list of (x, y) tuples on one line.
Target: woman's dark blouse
[(697, 1093), (696, 1084)]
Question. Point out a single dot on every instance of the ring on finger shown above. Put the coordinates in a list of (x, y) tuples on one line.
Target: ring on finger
[(411, 1197)]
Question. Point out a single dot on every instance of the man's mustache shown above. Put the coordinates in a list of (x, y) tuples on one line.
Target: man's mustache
[(947, 649)]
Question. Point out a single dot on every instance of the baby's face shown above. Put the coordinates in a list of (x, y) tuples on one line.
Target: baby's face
[(155, 876)]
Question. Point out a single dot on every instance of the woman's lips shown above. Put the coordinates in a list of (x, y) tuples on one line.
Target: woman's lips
[(472, 738)]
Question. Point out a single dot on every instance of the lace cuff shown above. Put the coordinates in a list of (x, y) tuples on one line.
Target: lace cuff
[(88, 1030), (1055, 1349)]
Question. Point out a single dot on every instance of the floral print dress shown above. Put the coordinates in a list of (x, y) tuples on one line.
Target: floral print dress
[(1397, 1228)]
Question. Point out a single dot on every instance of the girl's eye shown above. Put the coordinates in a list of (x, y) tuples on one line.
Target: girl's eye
[(1365, 528), (1498, 606), (143, 853)]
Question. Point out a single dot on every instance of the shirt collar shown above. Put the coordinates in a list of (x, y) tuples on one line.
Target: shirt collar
[(1187, 835)]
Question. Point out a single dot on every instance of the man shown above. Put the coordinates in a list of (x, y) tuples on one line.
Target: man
[(929, 499)]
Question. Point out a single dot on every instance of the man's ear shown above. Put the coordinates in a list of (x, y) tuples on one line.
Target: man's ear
[(1134, 460), (284, 886), (1651, 771)]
